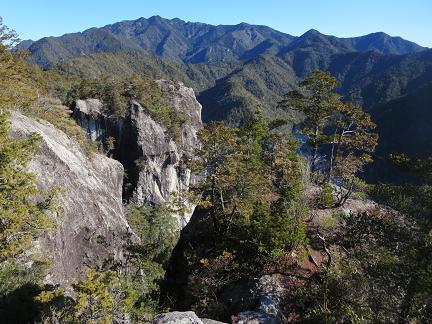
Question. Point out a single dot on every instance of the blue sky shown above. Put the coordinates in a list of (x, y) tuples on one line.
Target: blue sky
[(344, 18)]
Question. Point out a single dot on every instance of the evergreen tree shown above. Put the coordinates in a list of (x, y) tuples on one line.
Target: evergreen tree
[(352, 145), (94, 301), (23, 208), (317, 102), (381, 260), (22, 218), (18, 88), (251, 205), (341, 133)]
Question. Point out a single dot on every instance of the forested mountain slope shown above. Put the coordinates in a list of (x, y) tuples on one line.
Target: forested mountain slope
[(191, 42), (237, 69)]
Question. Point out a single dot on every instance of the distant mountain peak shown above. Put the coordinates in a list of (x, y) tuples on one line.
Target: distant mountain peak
[(378, 35), (311, 32), (385, 44), (25, 44), (314, 39), (157, 17)]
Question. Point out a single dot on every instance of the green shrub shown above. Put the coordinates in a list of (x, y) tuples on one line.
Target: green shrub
[(326, 197)]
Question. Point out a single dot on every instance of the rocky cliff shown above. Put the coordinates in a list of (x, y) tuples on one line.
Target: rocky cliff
[(153, 158), (90, 115), (90, 223)]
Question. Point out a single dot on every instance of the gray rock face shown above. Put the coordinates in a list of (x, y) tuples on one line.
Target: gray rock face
[(89, 114), (270, 295), (177, 318), (153, 158), (250, 317), (159, 157), (210, 321), (162, 171), (91, 225)]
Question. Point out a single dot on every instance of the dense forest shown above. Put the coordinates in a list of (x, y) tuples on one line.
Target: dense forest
[(269, 201)]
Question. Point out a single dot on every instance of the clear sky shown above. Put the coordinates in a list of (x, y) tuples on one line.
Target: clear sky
[(410, 19)]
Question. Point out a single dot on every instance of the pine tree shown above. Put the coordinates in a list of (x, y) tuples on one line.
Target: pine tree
[(317, 102), (94, 302), (352, 145), (381, 270), (251, 205), (341, 133), (18, 87)]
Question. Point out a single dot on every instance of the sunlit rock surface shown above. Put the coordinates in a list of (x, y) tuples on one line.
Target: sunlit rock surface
[(90, 223)]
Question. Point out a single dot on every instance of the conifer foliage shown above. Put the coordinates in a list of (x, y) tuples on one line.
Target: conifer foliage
[(339, 134), (251, 211), (22, 218), (24, 209)]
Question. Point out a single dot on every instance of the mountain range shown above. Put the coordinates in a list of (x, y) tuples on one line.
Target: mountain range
[(237, 68), (190, 42)]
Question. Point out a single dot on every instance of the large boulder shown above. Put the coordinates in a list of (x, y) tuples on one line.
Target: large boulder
[(90, 224), (252, 317), (182, 318), (177, 318), (210, 321)]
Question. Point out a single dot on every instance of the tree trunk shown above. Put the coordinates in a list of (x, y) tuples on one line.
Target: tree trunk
[(339, 141), (314, 150), (345, 197), (332, 157), (326, 250), (213, 201), (222, 202), (407, 301)]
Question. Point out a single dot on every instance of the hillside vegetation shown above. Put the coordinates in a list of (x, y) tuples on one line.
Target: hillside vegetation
[(238, 69)]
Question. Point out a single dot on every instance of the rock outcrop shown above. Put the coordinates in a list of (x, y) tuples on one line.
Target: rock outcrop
[(151, 156), (90, 222), (177, 318), (250, 317), (90, 115), (182, 318), (162, 171)]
